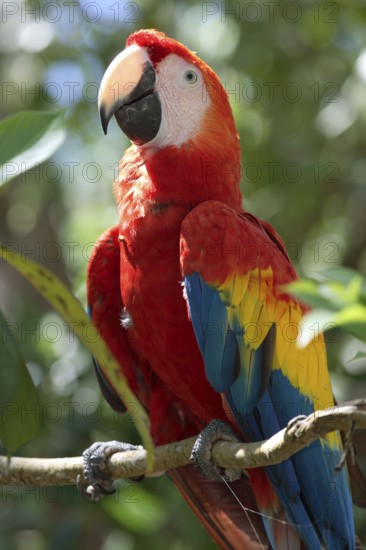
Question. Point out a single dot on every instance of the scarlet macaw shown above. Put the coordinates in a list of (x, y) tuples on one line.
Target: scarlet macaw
[(226, 346)]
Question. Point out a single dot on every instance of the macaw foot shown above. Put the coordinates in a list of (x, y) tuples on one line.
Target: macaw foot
[(201, 456), (295, 423), (94, 458)]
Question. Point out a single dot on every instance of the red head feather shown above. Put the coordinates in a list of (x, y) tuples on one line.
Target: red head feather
[(158, 45)]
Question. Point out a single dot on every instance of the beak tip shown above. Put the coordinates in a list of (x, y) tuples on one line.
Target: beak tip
[(104, 118)]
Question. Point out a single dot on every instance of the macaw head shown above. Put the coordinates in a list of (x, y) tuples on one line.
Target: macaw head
[(163, 95)]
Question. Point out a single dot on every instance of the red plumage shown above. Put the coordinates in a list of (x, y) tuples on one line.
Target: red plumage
[(171, 420)]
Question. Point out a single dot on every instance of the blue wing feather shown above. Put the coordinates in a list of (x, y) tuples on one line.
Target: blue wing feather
[(216, 342), (311, 494)]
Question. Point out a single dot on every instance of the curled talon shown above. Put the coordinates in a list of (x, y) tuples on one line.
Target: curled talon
[(201, 455), (95, 458), (138, 479), (295, 422), (94, 492)]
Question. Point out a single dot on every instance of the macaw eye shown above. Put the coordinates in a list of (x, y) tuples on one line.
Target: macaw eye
[(190, 76)]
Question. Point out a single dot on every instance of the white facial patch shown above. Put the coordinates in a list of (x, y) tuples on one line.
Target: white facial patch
[(184, 101)]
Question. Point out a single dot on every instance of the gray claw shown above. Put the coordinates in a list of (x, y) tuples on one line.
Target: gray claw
[(95, 491), (216, 430), (94, 459), (294, 424), (296, 420)]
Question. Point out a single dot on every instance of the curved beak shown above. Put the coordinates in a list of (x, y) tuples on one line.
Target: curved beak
[(128, 91)]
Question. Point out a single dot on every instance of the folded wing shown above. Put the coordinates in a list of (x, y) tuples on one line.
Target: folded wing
[(247, 328)]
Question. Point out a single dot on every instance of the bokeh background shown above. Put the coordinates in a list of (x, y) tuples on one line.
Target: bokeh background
[(296, 75)]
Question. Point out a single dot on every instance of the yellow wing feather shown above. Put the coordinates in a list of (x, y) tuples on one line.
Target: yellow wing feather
[(250, 301)]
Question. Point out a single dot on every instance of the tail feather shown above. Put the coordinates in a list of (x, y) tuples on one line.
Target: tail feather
[(282, 533), (221, 514)]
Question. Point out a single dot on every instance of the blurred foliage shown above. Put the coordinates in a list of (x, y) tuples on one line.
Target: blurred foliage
[(296, 76), (337, 298), (16, 389), (27, 139), (76, 319)]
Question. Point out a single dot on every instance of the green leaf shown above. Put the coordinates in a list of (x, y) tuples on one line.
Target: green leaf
[(347, 289), (349, 278), (302, 287), (71, 311), (354, 314), (340, 295), (351, 318), (29, 138), (309, 292), (342, 275), (359, 355), (18, 395)]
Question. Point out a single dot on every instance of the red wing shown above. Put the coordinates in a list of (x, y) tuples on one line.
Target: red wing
[(106, 308), (170, 421)]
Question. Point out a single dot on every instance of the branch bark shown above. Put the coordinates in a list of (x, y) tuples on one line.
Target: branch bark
[(298, 434)]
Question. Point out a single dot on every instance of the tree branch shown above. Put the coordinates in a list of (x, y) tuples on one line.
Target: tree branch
[(298, 434)]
